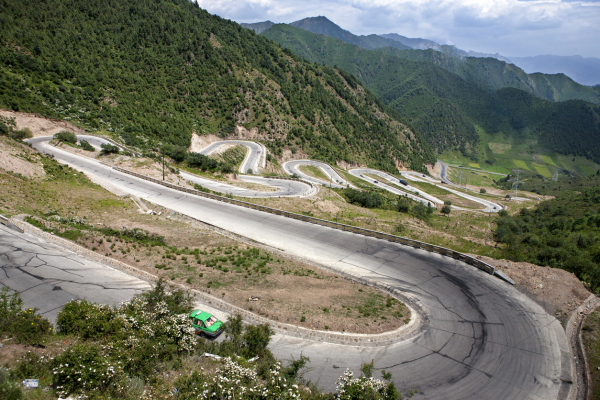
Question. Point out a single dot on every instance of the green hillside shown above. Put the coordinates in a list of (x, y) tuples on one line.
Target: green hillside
[(152, 72), (452, 111)]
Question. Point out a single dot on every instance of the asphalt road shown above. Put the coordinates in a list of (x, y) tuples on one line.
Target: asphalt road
[(48, 276), (256, 155), (489, 206), (408, 191), (336, 181), (483, 338), (284, 188)]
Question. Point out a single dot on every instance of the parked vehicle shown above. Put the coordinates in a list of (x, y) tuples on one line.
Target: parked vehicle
[(206, 324), (402, 181)]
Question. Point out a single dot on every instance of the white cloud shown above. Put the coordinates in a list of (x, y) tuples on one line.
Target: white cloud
[(510, 27)]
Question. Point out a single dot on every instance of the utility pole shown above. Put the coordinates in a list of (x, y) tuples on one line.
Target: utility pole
[(163, 162)]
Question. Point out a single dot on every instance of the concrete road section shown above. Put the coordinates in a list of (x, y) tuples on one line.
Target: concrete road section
[(489, 206), (335, 180), (284, 188), (48, 276), (256, 156), (408, 191), (483, 339)]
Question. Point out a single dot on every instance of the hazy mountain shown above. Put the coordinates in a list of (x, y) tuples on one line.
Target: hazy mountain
[(258, 27), (453, 51), (583, 70)]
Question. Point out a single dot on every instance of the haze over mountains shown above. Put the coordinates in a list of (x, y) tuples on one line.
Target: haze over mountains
[(460, 104), (585, 71)]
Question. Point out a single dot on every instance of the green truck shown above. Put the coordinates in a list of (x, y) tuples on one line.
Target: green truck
[(206, 324)]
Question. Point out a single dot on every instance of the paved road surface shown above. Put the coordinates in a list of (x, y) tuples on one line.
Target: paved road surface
[(256, 155), (484, 339), (284, 188), (419, 195), (336, 181), (48, 276), (489, 206)]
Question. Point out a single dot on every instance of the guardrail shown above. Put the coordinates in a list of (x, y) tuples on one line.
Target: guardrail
[(6, 222), (379, 235)]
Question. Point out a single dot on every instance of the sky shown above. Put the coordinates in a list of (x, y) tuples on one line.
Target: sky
[(517, 28)]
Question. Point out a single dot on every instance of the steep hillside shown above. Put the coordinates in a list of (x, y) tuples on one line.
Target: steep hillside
[(153, 72), (447, 107)]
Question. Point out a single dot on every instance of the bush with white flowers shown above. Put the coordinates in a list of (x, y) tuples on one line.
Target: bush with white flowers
[(234, 381), (84, 368), (364, 388)]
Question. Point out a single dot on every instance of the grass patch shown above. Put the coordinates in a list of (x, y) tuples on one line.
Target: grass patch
[(548, 160), (542, 170), (474, 165), (520, 164), (313, 171)]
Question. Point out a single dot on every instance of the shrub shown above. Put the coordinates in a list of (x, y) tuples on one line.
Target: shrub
[(482, 190), (86, 146), (9, 388), (82, 368), (24, 133), (26, 326), (65, 136), (503, 213), (445, 210), (87, 320), (403, 205), (109, 148), (201, 162), (177, 153), (364, 199)]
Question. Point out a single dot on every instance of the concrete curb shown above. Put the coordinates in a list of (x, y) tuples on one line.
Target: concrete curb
[(417, 322), (379, 235), (573, 332)]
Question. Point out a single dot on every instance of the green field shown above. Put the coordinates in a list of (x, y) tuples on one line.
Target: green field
[(504, 154), (520, 164), (548, 160), (542, 170)]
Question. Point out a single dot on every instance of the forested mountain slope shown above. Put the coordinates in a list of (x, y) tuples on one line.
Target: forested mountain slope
[(157, 71), (446, 106)]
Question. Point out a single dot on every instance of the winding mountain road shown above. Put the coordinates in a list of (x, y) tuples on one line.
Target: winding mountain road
[(481, 339), (256, 155), (335, 179)]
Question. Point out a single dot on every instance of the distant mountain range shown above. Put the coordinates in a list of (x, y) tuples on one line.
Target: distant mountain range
[(324, 26), (585, 71), (449, 50)]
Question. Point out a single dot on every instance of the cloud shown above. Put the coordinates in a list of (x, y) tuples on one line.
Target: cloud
[(509, 27)]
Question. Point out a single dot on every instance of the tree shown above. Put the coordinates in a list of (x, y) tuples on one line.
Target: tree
[(482, 190), (445, 210)]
